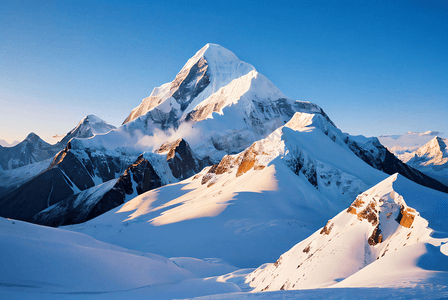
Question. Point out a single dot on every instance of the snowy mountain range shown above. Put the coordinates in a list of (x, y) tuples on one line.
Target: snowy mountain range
[(33, 149), (217, 104), (220, 164)]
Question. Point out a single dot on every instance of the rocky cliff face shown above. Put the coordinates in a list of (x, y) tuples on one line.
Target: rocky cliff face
[(181, 159), (80, 185)]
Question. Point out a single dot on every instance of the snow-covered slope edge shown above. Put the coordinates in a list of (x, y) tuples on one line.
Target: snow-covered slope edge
[(378, 224)]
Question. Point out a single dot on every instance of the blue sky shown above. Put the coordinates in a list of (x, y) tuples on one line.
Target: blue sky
[(375, 67)]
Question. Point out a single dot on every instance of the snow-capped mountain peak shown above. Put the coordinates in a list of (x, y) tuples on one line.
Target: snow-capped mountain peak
[(211, 68), (220, 60), (89, 126), (408, 142), (32, 138), (431, 158), (435, 148)]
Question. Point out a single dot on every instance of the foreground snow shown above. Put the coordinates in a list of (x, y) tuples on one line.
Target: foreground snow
[(45, 263)]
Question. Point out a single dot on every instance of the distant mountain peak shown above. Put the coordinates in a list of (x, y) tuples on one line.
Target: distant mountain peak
[(434, 147), (89, 126), (92, 119), (408, 142), (33, 138)]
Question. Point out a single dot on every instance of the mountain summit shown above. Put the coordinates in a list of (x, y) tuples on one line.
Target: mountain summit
[(89, 126), (210, 69)]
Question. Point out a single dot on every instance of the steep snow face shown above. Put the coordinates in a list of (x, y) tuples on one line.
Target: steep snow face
[(431, 159), (211, 68), (377, 224), (408, 142)]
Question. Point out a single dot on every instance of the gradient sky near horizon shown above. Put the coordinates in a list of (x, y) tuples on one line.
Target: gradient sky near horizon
[(375, 67)]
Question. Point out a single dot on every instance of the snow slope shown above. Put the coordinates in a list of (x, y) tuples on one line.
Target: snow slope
[(431, 159), (46, 263), (379, 241), (277, 191)]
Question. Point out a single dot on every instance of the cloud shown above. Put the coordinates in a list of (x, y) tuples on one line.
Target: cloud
[(185, 131)]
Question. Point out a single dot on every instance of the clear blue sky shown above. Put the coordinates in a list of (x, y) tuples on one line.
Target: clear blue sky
[(375, 67)]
